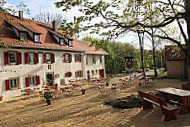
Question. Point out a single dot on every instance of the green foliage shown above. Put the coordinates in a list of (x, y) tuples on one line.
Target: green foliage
[(4, 46), (48, 95)]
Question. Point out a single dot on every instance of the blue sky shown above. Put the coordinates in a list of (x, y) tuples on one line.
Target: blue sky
[(48, 6)]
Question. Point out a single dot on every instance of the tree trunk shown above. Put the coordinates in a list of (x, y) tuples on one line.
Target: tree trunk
[(141, 44), (187, 18), (154, 56)]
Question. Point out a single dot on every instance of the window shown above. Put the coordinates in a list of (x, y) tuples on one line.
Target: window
[(86, 59), (23, 36), (13, 83), (68, 74), (67, 58), (78, 58), (31, 58), (70, 43), (48, 58), (12, 57), (62, 42), (37, 38), (94, 59), (78, 74), (100, 59), (32, 80), (92, 72)]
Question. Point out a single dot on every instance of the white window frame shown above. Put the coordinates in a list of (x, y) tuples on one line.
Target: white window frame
[(67, 59), (37, 38), (93, 59), (15, 58), (70, 43), (14, 83), (23, 36), (33, 57), (100, 59), (62, 41), (32, 80), (48, 57)]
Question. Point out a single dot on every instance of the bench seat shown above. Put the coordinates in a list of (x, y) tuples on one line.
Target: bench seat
[(168, 110)]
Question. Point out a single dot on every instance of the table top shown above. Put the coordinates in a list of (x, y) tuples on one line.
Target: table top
[(174, 91)]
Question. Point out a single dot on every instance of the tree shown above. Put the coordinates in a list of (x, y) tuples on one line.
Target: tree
[(48, 17), (115, 62), (120, 16), (5, 8)]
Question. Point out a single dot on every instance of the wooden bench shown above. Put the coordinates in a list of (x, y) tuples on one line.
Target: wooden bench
[(168, 110), (185, 86)]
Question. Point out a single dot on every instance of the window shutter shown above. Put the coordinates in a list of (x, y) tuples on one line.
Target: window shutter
[(52, 58), (65, 74), (7, 86), (76, 74), (37, 80), (26, 58), (81, 73), (75, 58), (70, 74), (64, 59), (19, 56), (36, 58), (6, 58), (44, 58), (70, 58), (80, 58), (27, 83)]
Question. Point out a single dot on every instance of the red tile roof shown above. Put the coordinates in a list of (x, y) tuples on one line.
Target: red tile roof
[(7, 36)]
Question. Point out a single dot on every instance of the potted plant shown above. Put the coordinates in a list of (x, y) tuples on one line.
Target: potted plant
[(107, 82), (48, 96)]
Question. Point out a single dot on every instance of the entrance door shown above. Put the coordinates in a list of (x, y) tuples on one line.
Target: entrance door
[(101, 73), (49, 79), (88, 75)]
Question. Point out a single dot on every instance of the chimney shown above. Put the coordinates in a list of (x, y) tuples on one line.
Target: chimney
[(55, 26), (20, 15)]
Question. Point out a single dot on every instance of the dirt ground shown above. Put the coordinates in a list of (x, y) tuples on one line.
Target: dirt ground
[(87, 111)]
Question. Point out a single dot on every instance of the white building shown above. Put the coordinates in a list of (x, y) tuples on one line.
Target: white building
[(34, 53)]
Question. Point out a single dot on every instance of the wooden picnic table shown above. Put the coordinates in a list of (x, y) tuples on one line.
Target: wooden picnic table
[(183, 95)]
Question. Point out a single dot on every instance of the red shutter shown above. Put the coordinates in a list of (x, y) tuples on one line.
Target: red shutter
[(80, 58), (76, 74), (75, 58), (81, 73), (52, 58), (26, 58), (27, 83), (64, 59), (36, 58), (7, 86), (65, 74), (19, 56), (37, 80), (44, 58), (70, 58), (6, 58)]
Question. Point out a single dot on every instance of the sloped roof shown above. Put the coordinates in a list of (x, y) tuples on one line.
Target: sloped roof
[(7, 36)]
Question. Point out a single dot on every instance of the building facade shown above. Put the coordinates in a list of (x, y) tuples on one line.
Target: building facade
[(175, 61), (33, 54)]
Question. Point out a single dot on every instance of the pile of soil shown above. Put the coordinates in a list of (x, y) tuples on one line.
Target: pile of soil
[(128, 102)]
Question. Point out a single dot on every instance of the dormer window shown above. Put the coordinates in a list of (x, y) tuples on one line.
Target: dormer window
[(37, 38), (23, 36), (62, 42), (70, 43)]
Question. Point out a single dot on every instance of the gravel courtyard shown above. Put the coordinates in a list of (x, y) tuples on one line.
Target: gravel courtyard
[(87, 111)]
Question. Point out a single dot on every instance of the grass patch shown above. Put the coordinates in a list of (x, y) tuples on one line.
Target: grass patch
[(162, 75)]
